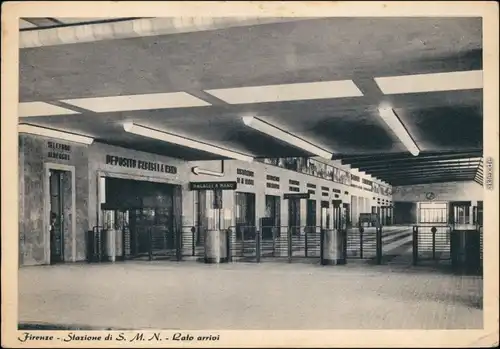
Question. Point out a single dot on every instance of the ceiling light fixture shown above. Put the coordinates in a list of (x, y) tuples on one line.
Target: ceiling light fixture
[(450, 81), (275, 132), (392, 120), (130, 127), (51, 133), (30, 109), (288, 92), (149, 101)]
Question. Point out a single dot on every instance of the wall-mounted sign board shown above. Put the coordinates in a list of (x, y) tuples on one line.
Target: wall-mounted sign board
[(212, 185), (296, 196)]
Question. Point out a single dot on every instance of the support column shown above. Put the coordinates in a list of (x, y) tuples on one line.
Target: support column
[(216, 247), (333, 247), (216, 242), (333, 240)]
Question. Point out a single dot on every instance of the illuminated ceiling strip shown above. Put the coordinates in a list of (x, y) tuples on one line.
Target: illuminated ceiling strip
[(275, 132), (29, 109), (392, 120), (170, 138), (138, 102), (288, 92), (460, 80), (51, 133)]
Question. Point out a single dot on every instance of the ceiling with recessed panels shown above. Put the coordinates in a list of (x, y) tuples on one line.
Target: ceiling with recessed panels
[(321, 80)]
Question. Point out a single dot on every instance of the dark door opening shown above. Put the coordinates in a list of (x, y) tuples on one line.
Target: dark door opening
[(460, 212), (144, 216), (58, 215), (272, 217), (311, 214), (245, 215), (347, 214), (325, 215), (294, 215)]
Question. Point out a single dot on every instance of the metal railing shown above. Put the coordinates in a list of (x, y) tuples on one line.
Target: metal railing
[(248, 243), (364, 243), (431, 242)]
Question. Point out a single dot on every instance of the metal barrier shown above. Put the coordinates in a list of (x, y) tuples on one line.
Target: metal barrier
[(292, 242), (151, 242), (244, 243), (96, 249), (431, 242), (193, 241), (364, 243), (247, 243)]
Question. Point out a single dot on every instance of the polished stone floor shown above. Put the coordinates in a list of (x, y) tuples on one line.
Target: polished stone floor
[(191, 295)]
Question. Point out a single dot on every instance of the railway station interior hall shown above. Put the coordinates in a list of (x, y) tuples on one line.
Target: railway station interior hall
[(269, 147)]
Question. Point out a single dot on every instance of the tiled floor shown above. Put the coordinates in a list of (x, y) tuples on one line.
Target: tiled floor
[(190, 295)]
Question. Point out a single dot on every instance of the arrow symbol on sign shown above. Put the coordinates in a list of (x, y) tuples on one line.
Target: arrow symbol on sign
[(199, 171)]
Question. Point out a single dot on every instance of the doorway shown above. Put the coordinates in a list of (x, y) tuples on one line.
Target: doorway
[(311, 215), (294, 215), (141, 218), (271, 222), (460, 212), (325, 215), (245, 216), (60, 205)]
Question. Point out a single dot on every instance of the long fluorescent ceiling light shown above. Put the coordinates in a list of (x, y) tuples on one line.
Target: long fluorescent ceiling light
[(275, 132), (288, 92), (453, 81), (170, 138), (392, 120), (138, 102), (29, 109), (47, 132)]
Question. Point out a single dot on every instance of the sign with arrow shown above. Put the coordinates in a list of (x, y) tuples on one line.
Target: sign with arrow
[(199, 171)]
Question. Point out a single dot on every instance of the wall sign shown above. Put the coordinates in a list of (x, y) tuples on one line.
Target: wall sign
[(58, 151), (139, 164), (272, 185), (246, 181), (243, 172), (272, 178), (296, 196), (212, 185)]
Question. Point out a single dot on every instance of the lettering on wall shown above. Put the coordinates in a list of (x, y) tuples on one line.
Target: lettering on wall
[(272, 178), (243, 172), (59, 151), (140, 164), (212, 185), (273, 185), (246, 181)]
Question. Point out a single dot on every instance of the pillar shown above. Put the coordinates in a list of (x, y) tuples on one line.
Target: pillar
[(216, 246), (332, 247)]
